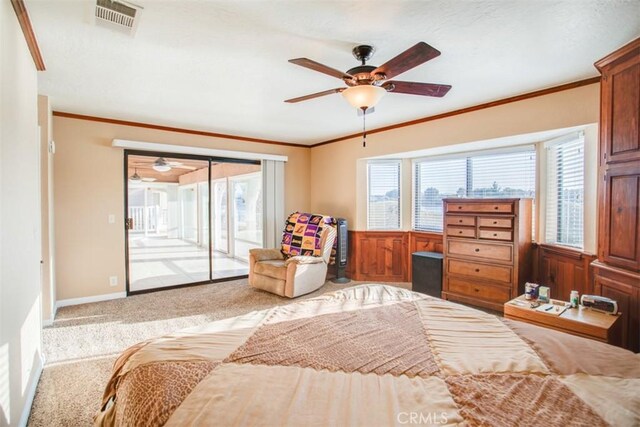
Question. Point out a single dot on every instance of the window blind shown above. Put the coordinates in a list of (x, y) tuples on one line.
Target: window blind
[(434, 181), (477, 175), (383, 186), (565, 192)]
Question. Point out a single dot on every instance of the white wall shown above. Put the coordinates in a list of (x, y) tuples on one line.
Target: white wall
[(20, 223), (46, 190)]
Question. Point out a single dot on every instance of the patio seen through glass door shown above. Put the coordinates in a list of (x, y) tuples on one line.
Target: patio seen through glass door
[(171, 220)]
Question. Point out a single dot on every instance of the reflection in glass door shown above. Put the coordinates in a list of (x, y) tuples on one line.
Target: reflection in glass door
[(247, 213), (220, 220), (171, 221), (203, 216), (189, 213), (236, 214)]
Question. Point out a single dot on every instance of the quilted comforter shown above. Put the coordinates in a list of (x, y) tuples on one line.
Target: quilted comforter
[(372, 355)]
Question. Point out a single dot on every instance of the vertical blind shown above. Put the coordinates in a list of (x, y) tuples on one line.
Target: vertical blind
[(478, 175), (565, 192), (383, 186)]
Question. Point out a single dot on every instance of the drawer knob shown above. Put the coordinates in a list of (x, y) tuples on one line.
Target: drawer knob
[(460, 221), (476, 289), (460, 231), (495, 234), (495, 222), (477, 270), (459, 207), (477, 249), (495, 207)]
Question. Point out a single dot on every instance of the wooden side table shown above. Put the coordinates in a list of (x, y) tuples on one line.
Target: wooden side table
[(579, 321)]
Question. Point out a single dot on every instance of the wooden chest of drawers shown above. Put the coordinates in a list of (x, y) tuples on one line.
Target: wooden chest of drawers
[(487, 250)]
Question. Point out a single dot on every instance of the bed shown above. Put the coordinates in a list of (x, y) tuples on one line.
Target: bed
[(372, 355)]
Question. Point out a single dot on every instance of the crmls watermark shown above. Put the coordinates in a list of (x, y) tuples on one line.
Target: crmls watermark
[(422, 418)]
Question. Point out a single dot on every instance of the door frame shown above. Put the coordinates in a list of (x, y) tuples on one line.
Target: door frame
[(210, 160)]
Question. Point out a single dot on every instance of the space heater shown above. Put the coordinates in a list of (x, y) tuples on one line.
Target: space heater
[(342, 252)]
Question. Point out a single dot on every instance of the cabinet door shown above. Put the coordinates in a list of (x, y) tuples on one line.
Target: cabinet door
[(620, 100), (564, 272), (383, 258), (621, 226), (628, 298)]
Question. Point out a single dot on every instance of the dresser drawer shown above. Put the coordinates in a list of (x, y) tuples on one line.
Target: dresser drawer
[(506, 235), (483, 291), (481, 250), (461, 231), (495, 273), (495, 222), (504, 208), (461, 220)]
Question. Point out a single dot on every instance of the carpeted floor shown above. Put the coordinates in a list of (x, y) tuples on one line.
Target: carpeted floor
[(84, 341)]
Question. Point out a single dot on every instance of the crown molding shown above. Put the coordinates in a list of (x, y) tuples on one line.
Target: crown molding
[(491, 104), (27, 29), (174, 129)]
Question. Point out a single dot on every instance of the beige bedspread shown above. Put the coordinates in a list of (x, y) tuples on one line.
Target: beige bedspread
[(372, 355)]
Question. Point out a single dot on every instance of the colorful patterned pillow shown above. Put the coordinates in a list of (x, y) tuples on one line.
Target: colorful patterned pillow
[(302, 234)]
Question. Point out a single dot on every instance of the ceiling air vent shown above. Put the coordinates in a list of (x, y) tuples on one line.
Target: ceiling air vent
[(119, 15)]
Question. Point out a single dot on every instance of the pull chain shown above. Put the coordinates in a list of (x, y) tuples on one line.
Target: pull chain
[(364, 127)]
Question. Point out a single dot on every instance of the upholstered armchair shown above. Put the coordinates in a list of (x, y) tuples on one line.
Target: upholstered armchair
[(291, 276)]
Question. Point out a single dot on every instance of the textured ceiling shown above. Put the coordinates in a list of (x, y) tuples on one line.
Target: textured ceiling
[(221, 66)]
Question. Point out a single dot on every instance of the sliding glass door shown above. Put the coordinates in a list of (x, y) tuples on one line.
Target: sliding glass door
[(189, 219)]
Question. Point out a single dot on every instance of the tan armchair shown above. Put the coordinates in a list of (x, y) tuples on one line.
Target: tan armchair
[(295, 276)]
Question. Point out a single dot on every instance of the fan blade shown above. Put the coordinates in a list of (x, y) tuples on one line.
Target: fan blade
[(315, 95), (410, 58), (316, 66), (414, 88)]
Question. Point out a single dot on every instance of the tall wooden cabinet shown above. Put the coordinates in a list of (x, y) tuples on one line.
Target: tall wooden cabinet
[(617, 269), (487, 244)]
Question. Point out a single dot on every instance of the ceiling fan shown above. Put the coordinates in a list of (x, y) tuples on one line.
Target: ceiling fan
[(366, 84), (162, 165), (136, 179)]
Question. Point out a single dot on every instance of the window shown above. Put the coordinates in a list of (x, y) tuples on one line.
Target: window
[(565, 191), (383, 185), (434, 181), (479, 175)]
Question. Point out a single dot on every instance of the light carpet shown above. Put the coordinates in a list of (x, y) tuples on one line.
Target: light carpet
[(85, 340)]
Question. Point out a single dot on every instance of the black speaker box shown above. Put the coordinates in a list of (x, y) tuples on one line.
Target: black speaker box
[(426, 273)]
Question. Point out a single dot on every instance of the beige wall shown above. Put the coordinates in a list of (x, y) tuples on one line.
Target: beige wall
[(339, 182), (88, 186), (20, 223)]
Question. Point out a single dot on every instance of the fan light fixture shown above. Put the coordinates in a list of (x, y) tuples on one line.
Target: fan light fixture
[(161, 165), (135, 178), (363, 96)]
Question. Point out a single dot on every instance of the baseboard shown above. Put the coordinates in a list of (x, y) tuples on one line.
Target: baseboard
[(31, 394), (85, 300)]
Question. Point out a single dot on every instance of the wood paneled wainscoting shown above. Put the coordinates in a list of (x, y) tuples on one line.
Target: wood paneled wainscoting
[(385, 256), (563, 269)]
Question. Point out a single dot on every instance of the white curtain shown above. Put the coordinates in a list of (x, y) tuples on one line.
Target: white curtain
[(273, 202)]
